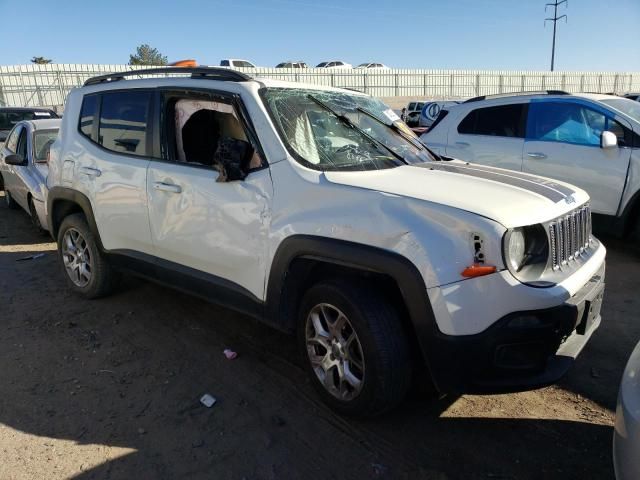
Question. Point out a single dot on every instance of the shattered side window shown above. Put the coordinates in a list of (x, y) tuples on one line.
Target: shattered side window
[(333, 130)]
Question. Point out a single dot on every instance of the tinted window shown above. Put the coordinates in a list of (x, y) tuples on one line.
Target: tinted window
[(320, 65), (87, 114), (123, 122), (12, 140), (224, 63), (8, 118), (499, 121), (566, 122)]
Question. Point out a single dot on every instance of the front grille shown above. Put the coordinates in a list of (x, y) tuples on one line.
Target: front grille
[(569, 236)]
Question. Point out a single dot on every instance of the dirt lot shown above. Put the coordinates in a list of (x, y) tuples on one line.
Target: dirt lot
[(110, 389)]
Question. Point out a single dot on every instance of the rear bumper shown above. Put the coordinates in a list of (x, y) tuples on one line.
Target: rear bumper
[(522, 350)]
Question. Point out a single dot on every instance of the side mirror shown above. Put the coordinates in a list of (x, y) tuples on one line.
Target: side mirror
[(608, 140), (14, 159)]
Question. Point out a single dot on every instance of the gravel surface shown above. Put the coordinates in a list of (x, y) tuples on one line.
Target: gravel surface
[(111, 388)]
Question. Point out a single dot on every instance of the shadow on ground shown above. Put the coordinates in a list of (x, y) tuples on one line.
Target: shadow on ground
[(127, 371)]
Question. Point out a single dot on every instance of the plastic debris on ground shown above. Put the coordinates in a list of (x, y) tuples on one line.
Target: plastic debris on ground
[(31, 257), (207, 400), (230, 354)]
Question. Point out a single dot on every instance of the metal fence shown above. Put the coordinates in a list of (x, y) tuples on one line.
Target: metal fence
[(48, 85)]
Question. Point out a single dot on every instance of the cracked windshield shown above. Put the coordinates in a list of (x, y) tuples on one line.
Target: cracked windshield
[(329, 130)]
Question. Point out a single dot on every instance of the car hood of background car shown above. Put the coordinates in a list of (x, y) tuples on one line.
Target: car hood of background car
[(511, 198)]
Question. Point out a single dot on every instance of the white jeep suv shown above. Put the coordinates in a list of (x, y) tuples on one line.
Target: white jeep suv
[(317, 211)]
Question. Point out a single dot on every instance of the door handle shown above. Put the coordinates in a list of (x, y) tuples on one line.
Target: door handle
[(462, 144), (167, 187), (90, 172), (536, 155)]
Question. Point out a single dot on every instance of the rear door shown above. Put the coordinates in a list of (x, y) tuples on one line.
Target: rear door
[(203, 227), (563, 142), (111, 168), (491, 135)]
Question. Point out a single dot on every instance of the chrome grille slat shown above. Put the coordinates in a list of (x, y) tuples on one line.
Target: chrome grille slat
[(569, 236)]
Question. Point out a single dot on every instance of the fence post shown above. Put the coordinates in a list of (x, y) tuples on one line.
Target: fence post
[(23, 93), (523, 83), (332, 80), (451, 85), (582, 83), (60, 89), (544, 83), (477, 85), (600, 83), (615, 83), (397, 87), (424, 86), (564, 82), (501, 84), (365, 82)]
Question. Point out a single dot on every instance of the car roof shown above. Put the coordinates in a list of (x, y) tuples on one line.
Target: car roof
[(124, 80), (46, 124)]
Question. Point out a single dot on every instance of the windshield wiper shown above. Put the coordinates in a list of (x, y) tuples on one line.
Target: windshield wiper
[(399, 131), (344, 119)]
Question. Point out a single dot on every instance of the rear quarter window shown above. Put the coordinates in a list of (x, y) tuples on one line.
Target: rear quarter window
[(88, 115), (497, 121)]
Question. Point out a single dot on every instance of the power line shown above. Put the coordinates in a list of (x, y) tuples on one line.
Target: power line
[(555, 19)]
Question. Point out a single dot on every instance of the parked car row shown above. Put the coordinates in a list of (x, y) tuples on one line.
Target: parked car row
[(237, 63)]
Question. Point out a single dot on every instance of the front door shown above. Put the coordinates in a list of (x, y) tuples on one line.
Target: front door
[(563, 142), (216, 229)]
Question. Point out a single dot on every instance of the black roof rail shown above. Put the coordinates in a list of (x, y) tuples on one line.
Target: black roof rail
[(211, 73), (516, 94)]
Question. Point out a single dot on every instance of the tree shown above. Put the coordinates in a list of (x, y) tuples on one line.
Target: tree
[(40, 60), (145, 55)]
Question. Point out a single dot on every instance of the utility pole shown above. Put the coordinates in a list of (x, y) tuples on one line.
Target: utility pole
[(554, 20)]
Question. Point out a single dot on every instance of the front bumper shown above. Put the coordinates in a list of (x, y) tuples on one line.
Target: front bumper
[(522, 350)]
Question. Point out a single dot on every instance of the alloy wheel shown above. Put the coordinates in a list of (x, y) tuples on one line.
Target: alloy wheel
[(76, 257), (335, 351)]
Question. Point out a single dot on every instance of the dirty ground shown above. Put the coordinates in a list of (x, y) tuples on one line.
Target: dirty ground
[(111, 389)]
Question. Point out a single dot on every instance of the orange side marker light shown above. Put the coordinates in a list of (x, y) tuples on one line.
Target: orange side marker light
[(477, 270)]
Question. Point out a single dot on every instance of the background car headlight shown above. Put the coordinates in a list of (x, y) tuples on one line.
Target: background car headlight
[(526, 252)]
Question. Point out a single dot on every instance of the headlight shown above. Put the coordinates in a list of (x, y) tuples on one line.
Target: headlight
[(526, 252), (515, 249)]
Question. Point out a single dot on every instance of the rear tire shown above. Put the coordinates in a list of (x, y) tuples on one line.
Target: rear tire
[(354, 348), (11, 203), (85, 267)]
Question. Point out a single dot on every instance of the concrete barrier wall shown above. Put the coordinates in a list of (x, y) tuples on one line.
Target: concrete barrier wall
[(48, 85)]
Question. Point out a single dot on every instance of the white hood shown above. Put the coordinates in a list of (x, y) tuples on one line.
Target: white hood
[(511, 198)]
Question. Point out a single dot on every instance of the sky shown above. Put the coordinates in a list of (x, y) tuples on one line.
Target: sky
[(599, 35)]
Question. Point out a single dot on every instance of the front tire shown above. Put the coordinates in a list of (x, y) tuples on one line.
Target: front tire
[(86, 269), (35, 219), (10, 202), (354, 348)]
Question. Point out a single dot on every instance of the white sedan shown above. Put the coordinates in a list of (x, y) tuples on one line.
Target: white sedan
[(24, 168)]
